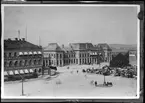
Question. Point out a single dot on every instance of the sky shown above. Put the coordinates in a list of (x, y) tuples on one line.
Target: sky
[(71, 24)]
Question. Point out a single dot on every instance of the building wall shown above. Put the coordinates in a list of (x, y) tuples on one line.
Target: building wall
[(78, 56), (133, 57), (14, 61)]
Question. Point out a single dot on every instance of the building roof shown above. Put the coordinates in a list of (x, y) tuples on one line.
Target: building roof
[(19, 44), (82, 46), (103, 46), (53, 47), (67, 48)]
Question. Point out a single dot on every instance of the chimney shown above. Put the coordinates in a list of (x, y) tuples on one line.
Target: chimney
[(16, 39), (23, 39), (62, 45), (9, 39)]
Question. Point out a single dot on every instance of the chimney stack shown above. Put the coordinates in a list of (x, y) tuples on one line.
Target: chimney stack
[(23, 39), (9, 39), (16, 39), (62, 45)]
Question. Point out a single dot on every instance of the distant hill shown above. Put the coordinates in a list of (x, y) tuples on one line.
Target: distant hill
[(123, 46)]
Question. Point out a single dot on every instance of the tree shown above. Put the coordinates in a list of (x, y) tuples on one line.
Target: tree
[(105, 71), (120, 60)]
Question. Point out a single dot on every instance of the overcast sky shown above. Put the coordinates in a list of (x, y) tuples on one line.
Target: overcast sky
[(69, 24)]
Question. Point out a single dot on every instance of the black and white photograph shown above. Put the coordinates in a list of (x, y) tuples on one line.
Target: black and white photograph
[(70, 51)]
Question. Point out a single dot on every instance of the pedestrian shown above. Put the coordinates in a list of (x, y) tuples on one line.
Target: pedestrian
[(95, 83)]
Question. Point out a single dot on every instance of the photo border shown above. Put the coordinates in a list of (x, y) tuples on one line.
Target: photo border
[(140, 47)]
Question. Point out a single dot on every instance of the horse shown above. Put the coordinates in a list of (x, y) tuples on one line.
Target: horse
[(109, 83)]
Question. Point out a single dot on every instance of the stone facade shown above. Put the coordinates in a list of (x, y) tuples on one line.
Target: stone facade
[(21, 57), (74, 53)]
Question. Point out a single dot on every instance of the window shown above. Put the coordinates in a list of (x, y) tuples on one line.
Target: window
[(15, 54), (10, 54), (25, 62), (5, 55), (30, 62), (54, 55), (10, 64), (39, 62), (16, 63), (20, 63), (35, 62), (5, 63)]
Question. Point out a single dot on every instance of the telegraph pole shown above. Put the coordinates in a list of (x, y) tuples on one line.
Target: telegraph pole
[(26, 32), (18, 34)]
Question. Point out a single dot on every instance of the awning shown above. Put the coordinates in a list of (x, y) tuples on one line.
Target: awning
[(31, 70), (5, 73), (39, 52), (35, 52), (26, 71), (30, 53), (21, 72), (11, 73), (131, 55), (25, 53), (20, 53), (16, 72)]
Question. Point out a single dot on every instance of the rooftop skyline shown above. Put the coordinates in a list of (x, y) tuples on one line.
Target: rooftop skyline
[(70, 24)]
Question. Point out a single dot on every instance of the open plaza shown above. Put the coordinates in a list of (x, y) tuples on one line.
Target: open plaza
[(70, 83)]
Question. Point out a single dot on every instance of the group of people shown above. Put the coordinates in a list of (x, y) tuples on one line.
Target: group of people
[(94, 83)]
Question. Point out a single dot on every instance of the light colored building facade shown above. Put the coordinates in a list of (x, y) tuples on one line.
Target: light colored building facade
[(133, 57), (74, 53), (106, 51), (53, 55), (21, 57)]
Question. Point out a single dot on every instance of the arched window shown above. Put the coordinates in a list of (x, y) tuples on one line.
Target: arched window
[(39, 62), (15, 54), (5, 63), (39, 70), (5, 55), (35, 70), (16, 63), (25, 63), (30, 62), (34, 62), (10, 54), (20, 63), (10, 64)]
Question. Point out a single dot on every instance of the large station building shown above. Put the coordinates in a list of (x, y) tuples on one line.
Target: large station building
[(76, 53)]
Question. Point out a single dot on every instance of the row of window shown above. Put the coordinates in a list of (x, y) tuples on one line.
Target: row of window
[(10, 54), (84, 55), (53, 55), (72, 61), (22, 63)]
